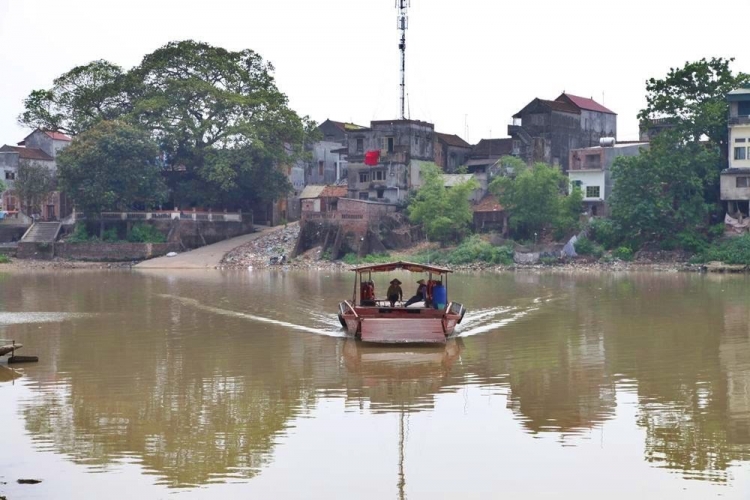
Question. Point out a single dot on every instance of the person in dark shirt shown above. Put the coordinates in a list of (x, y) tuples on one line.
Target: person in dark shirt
[(394, 292), (420, 295)]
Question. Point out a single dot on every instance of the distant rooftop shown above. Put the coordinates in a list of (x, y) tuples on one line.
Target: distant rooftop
[(741, 94)]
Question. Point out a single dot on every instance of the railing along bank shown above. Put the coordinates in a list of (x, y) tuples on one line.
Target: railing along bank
[(162, 215)]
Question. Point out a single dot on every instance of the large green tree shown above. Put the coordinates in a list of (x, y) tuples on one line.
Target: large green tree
[(693, 99), (536, 199), (661, 195), (218, 117), (445, 213), (112, 166)]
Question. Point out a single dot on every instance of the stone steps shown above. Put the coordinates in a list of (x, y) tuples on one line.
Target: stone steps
[(42, 232)]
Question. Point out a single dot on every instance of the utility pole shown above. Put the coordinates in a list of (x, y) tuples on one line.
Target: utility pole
[(403, 25)]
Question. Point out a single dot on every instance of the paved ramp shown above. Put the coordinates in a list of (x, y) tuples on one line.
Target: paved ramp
[(207, 257)]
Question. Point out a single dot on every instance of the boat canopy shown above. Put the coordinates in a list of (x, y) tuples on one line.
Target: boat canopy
[(407, 266)]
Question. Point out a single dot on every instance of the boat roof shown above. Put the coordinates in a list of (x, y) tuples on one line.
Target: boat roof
[(407, 266)]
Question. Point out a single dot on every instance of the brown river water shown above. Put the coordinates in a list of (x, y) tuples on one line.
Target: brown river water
[(210, 384)]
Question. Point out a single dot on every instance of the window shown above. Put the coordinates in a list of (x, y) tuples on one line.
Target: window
[(388, 143), (743, 182), (739, 153), (380, 193), (360, 145), (379, 175), (10, 175), (593, 161), (578, 184), (364, 195), (592, 191), (740, 139), (320, 167), (743, 108), (364, 177)]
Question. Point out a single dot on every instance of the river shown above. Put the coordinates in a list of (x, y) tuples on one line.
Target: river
[(238, 384)]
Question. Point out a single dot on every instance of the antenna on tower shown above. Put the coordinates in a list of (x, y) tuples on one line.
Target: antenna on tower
[(403, 25)]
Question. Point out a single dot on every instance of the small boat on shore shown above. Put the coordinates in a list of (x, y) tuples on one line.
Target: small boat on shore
[(379, 320)]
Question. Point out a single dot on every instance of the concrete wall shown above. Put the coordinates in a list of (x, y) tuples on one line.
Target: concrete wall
[(590, 179), (729, 189), (113, 252), (412, 137), (11, 232), (322, 152), (394, 187)]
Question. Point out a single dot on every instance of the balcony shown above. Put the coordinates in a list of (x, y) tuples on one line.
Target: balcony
[(739, 120)]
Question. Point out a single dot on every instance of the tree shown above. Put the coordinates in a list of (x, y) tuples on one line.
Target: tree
[(693, 98), (660, 195), (78, 99), (112, 166), (204, 106), (33, 185), (536, 200), (445, 213)]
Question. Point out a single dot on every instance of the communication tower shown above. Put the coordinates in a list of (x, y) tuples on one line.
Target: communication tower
[(403, 25)]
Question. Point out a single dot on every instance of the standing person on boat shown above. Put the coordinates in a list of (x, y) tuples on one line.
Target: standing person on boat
[(394, 292), (420, 295)]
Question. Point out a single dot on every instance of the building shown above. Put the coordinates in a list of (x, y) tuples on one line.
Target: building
[(735, 180), (396, 150), (38, 148), (489, 215), (486, 153), (591, 170), (329, 155), (450, 151), (546, 131)]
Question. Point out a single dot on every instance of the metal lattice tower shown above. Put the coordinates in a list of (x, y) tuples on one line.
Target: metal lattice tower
[(403, 25)]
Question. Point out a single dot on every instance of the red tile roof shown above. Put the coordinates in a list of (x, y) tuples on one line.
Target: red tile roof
[(27, 153), (58, 136), (584, 103), (488, 203), (334, 192), (453, 140)]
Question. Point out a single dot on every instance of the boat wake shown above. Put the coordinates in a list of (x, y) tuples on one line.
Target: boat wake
[(486, 320), (21, 318), (252, 317)]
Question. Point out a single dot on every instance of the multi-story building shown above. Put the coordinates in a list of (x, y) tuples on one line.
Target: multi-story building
[(546, 131), (396, 150), (735, 180), (38, 148), (590, 170)]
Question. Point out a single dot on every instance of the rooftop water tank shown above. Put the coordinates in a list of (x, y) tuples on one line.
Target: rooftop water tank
[(607, 142)]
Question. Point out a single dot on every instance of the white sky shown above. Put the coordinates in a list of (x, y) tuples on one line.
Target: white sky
[(473, 60)]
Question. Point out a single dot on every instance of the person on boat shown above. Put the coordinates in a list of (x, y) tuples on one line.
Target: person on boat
[(394, 292), (420, 295)]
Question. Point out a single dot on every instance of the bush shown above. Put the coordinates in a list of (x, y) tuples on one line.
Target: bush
[(585, 246), (4, 259), (623, 253), (110, 235), (732, 251), (604, 231), (473, 249), (144, 233), (378, 258), (79, 234)]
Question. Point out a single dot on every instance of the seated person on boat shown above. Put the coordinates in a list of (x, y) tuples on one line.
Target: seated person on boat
[(421, 294)]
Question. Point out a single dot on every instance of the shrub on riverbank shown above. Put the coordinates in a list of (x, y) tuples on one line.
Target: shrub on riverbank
[(143, 233), (585, 246), (473, 249), (4, 259), (730, 251), (376, 258)]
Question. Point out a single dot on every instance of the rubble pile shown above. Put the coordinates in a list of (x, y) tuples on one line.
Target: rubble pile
[(271, 250)]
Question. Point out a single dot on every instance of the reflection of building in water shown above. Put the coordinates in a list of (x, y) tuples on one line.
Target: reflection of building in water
[(396, 378), (734, 355)]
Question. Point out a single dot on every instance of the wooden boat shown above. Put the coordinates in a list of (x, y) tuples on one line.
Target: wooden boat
[(9, 348), (373, 319)]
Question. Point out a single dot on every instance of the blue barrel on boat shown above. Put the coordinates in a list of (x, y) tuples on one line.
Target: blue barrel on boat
[(439, 296)]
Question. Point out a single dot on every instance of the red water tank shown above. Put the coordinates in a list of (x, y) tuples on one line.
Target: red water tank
[(372, 157)]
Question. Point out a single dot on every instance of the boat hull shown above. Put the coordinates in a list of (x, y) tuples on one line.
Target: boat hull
[(399, 325)]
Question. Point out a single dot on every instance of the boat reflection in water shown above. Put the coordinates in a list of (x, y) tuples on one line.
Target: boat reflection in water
[(8, 374), (399, 378)]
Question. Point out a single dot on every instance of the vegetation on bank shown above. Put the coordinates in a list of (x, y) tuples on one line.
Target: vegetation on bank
[(730, 251), (4, 259), (140, 233)]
